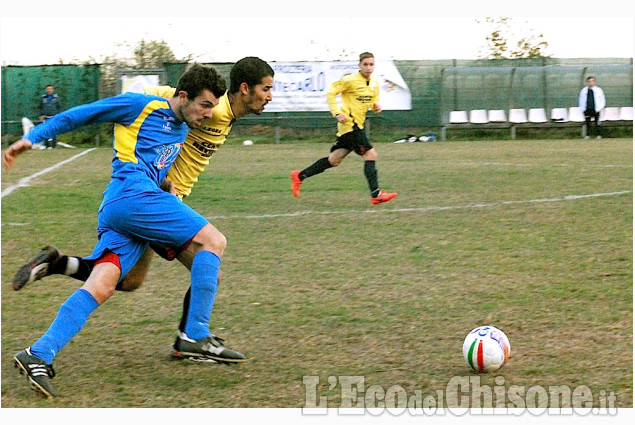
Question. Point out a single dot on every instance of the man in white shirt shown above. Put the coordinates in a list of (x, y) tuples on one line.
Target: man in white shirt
[(592, 101)]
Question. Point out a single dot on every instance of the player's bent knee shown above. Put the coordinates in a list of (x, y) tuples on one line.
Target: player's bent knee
[(371, 155), (104, 276), (210, 239), (335, 160), (102, 281), (103, 293)]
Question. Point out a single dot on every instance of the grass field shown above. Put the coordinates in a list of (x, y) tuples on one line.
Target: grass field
[(534, 237)]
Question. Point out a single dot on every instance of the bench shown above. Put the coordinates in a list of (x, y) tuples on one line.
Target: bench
[(537, 118)]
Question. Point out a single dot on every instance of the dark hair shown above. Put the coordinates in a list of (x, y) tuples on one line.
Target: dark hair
[(201, 77), (589, 77), (250, 70), (365, 55)]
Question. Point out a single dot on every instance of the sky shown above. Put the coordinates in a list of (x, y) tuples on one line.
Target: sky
[(301, 30)]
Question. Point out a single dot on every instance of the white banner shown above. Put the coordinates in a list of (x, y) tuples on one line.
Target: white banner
[(302, 86), (137, 83)]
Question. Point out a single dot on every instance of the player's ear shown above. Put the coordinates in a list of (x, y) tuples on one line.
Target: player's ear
[(244, 88), (182, 95)]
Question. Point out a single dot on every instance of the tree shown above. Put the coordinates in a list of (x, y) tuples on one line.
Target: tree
[(508, 39), (151, 54), (146, 54)]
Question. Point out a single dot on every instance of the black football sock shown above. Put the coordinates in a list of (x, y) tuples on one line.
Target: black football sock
[(186, 308), (371, 175), (75, 267), (317, 167)]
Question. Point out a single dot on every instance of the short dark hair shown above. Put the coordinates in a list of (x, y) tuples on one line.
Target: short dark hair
[(201, 77), (365, 55), (589, 77), (250, 70)]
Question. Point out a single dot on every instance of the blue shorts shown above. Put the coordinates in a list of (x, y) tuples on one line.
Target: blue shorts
[(126, 226)]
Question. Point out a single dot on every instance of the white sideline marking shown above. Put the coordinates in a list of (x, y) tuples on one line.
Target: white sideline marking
[(521, 164), (396, 210), (24, 182), (423, 209)]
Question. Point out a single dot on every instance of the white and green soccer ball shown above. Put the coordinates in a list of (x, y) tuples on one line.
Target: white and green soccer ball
[(486, 349)]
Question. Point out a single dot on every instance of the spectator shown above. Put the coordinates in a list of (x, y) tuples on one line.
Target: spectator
[(50, 105), (592, 101)]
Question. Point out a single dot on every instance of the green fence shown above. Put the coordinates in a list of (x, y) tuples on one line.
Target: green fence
[(22, 87), (437, 87), (550, 86)]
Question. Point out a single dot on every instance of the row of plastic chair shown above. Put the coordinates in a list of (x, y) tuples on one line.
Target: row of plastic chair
[(537, 115), (624, 113)]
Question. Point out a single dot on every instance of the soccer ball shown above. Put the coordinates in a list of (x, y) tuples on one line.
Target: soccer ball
[(248, 142), (486, 349)]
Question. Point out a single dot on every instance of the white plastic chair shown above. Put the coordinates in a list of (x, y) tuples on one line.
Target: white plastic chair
[(517, 116), (458, 117), (626, 113), (478, 116), (610, 114), (537, 115), (576, 114), (559, 115), (496, 115)]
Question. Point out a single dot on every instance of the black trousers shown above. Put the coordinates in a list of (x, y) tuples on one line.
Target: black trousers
[(588, 114), (50, 143)]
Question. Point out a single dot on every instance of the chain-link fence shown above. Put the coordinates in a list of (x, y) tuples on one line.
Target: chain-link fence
[(437, 87)]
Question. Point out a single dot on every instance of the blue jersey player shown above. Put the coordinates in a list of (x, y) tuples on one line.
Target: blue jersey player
[(148, 135)]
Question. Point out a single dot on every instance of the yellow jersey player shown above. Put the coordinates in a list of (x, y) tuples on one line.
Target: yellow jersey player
[(359, 93), (199, 145), (251, 82)]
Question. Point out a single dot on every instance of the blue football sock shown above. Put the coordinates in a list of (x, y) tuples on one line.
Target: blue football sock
[(204, 281), (69, 321)]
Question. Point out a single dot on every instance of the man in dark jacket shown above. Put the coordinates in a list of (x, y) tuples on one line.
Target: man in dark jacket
[(50, 105)]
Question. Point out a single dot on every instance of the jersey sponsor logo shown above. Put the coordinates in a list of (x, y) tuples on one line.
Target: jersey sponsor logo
[(167, 124), (212, 130), (206, 149), (364, 99), (167, 155)]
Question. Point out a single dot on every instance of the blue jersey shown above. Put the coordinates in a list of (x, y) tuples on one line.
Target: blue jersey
[(147, 139)]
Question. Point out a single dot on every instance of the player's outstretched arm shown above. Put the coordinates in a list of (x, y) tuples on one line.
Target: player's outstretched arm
[(11, 153)]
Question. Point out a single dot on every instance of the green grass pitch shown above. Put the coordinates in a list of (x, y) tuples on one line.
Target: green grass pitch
[(534, 237)]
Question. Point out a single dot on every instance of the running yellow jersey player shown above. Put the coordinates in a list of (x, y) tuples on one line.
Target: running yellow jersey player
[(359, 93), (251, 81), (200, 144)]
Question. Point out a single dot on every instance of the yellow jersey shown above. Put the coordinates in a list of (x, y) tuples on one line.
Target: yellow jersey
[(200, 143), (358, 95)]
